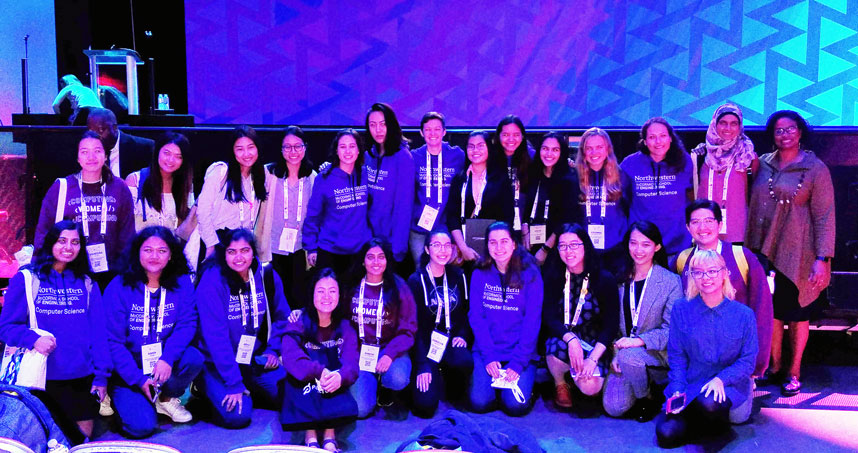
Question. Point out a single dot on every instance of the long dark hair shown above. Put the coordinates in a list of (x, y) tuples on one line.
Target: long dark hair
[(279, 168), (44, 258), (310, 316), (334, 158), (521, 156), (561, 168), (520, 259), (234, 190), (183, 178), (394, 139), (106, 174), (424, 258), (133, 273), (651, 231), (389, 283), (676, 154), (218, 259)]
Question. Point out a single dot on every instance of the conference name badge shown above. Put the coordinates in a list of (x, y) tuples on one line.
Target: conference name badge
[(597, 235), (245, 349), (151, 355), (368, 357), (437, 346), (537, 234), (97, 257), (427, 218), (287, 239)]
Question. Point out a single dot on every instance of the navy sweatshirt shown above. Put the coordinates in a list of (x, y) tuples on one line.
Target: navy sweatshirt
[(337, 217)]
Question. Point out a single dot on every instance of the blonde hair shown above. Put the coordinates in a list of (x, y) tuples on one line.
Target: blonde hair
[(702, 258), (612, 169)]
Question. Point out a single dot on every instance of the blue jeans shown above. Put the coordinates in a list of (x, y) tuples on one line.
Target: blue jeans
[(365, 388), (458, 364), (484, 396), (263, 384), (135, 411)]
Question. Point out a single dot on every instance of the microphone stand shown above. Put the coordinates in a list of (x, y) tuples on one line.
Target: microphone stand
[(24, 79)]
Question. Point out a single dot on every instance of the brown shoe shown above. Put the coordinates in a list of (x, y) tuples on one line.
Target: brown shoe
[(563, 396)]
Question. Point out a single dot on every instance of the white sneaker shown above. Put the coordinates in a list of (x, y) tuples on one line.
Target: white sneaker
[(173, 408), (104, 408)]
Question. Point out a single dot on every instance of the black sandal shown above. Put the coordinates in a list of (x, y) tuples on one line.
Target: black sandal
[(331, 441)]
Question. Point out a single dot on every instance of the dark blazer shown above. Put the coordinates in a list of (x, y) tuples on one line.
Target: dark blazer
[(134, 153)]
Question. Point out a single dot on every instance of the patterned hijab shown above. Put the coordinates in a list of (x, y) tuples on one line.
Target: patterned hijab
[(721, 153)]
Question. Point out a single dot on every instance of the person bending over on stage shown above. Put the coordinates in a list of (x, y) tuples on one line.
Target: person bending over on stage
[(233, 192), (336, 226), (443, 334), (580, 315), (240, 303), (320, 355), (711, 353), (647, 294), (704, 219), (97, 200), (69, 315), (81, 98), (505, 311), (151, 323), (383, 311)]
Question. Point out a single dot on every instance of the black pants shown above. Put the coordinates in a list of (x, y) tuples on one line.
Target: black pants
[(292, 270), (458, 364), (341, 264), (702, 414)]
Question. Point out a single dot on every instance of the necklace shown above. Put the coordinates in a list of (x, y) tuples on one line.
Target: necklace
[(794, 192)]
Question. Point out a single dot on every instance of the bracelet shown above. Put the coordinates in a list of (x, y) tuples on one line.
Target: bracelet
[(825, 259), (574, 337), (546, 248)]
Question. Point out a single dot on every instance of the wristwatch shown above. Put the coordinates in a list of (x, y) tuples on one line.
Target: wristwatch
[(826, 259)]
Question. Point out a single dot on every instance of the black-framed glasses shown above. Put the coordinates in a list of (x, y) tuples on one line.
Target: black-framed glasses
[(785, 130), (563, 246), (438, 246), (711, 273), (297, 148)]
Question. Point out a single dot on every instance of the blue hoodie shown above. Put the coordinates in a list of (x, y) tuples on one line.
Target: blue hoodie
[(506, 330), (453, 161), (616, 212), (390, 179), (74, 317), (125, 325), (660, 196), (337, 215), (220, 323)]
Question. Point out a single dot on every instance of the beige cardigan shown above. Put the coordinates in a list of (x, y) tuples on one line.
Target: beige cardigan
[(264, 228), (791, 235)]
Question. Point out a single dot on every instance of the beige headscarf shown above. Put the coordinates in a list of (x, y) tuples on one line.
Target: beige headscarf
[(721, 153)]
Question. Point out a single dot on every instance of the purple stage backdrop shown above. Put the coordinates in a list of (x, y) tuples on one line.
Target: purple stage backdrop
[(564, 63)]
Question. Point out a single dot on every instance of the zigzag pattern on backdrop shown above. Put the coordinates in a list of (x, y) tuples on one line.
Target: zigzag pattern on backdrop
[(611, 63)]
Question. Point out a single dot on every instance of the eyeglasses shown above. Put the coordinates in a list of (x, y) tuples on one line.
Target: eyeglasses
[(786, 130), (481, 145), (711, 273), (438, 246), (708, 221), (296, 148), (563, 246)]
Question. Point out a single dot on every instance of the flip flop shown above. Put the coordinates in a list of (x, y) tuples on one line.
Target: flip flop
[(331, 441)]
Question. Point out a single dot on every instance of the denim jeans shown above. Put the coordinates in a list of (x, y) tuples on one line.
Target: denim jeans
[(136, 413), (484, 397), (457, 363), (263, 384), (365, 389)]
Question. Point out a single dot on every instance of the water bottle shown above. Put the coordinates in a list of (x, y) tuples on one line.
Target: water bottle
[(166, 102), (56, 447), (160, 102)]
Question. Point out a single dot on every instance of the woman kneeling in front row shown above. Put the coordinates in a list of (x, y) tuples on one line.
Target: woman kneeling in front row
[(711, 352)]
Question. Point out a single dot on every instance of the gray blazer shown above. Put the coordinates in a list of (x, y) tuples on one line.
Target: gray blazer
[(663, 289)]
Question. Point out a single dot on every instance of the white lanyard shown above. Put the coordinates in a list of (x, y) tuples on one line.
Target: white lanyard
[(429, 177), (446, 305), (566, 305), (255, 307), (286, 199), (535, 203), (84, 216), (378, 312), (478, 200), (147, 296), (250, 202), (635, 309), (602, 203), (712, 184)]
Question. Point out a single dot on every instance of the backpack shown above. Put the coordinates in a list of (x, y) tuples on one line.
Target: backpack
[(738, 254), (24, 418)]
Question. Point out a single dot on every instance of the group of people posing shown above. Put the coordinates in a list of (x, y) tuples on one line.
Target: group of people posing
[(662, 283)]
